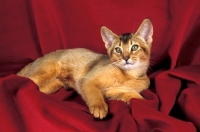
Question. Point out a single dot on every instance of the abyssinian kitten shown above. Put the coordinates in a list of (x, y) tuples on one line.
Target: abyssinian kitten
[(120, 75)]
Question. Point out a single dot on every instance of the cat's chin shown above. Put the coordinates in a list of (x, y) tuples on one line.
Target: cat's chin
[(128, 66)]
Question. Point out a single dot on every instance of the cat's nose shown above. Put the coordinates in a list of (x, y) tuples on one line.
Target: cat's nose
[(126, 58)]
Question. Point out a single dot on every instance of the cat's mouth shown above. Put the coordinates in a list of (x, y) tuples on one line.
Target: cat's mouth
[(128, 65)]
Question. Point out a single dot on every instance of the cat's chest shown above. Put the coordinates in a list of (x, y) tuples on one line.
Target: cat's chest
[(118, 85), (116, 79), (122, 82)]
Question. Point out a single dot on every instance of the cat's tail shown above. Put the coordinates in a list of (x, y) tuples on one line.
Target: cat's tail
[(24, 70)]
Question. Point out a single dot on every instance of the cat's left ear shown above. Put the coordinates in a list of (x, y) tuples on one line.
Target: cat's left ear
[(145, 31), (108, 36)]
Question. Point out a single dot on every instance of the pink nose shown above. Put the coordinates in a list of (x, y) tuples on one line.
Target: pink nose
[(126, 58)]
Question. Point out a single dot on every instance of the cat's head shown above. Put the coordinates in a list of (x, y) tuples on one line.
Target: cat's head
[(129, 51)]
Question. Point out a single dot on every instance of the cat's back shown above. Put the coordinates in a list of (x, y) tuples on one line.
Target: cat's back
[(79, 55), (80, 61)]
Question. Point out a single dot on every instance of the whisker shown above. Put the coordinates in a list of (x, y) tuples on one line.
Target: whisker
[(150, 69), (151, 63)]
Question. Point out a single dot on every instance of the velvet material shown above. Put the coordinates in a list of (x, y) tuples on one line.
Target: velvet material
[(32, 28)]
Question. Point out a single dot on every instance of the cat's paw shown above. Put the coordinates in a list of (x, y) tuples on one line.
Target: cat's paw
[(99, 110), (126, 97)]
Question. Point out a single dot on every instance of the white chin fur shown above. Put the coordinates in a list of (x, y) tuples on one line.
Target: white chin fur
[(128, 66)]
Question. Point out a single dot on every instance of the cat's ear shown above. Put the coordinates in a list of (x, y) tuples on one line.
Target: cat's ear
[(145, 31), (108, 36)]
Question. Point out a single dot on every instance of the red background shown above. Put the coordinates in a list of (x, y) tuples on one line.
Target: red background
[(32, 28)]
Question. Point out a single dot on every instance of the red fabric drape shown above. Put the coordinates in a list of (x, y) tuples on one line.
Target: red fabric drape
[(32, 28)]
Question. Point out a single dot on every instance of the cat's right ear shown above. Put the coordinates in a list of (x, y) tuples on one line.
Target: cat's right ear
[(108, 36)]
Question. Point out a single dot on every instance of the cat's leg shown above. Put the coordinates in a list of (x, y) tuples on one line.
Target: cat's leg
[(124, 96), (127, 96), (93, 98), (52, 86), (43, 73)]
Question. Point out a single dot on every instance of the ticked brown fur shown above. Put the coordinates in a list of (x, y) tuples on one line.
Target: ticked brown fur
[(120, 75)]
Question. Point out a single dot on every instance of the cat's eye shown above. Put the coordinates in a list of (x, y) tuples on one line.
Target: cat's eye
[(118, 50), (134, 47)]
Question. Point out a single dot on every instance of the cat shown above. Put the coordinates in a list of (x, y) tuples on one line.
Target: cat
[(120, 75)]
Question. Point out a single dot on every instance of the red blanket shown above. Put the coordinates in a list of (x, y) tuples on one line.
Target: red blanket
[(32, 28)]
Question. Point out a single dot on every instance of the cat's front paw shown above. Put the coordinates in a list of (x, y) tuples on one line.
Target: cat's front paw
[(126, 97), (99, 110)]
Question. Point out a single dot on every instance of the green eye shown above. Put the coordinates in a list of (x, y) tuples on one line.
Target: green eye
[(134, 47), (118, 50)]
